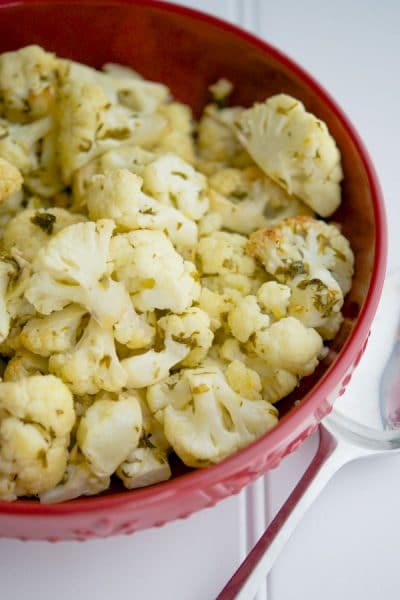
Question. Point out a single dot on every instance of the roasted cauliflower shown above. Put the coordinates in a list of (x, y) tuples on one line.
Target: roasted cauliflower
[(30, 230), (204, 418), (74, 266), (109, 431), (153, 272), (36, 418), (92, 364), (164, 279), (246, 200), (295, 149), (315, 260), (175, 183), (117, 195), (28, 83)]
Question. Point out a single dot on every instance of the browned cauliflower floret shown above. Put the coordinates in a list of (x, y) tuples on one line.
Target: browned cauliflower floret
[(315, 260)]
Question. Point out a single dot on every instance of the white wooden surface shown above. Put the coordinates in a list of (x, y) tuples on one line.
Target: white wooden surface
[(348, 545)]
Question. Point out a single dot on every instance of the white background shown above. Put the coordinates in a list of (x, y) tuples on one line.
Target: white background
[(348, 545)]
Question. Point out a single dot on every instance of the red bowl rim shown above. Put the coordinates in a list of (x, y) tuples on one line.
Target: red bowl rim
[(202, 479)]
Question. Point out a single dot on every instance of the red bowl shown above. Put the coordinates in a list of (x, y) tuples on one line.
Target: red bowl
[(188, 50)]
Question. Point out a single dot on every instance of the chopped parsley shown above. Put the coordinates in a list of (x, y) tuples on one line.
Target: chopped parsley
[(45, 221)]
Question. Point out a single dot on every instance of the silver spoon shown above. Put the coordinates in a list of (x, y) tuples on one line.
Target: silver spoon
[(362, 424)]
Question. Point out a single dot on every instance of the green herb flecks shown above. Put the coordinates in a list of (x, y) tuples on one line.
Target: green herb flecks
[(45, 221)]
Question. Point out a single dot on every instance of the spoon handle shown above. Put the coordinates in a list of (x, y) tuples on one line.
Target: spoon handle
[(329, 458), (390, 389)]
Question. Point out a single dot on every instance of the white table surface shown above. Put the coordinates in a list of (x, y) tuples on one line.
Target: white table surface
[(348, 544)]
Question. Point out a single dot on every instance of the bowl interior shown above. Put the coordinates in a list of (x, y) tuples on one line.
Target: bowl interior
[(187, 54)]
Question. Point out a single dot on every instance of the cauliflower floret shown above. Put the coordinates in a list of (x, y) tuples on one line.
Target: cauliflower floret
[(295, 149), (193, 329), (89, 124), (216, 141), (274, 298), (36, 418), (241, 215), (28, 80), (144, 466), (128, 157), (276, 383), (220, 91), (31, 229), (121, 71), (141, 95), (8, 270), (78, 480), (215, 305), (154, 365), (54, 333), (117, 195), (109, 431), (134, 330), (244, 381), (234, 283), (121, 84), (179, 135), (287, 344), (246, 200), (155, 275), (174, 182), (24, 364), (315, 260), (225, 265), (230, 350), (204, 419), (20, 144), (74, 267), (317, 303), (304, 246), (10, 180), (17, 202), (92, 364), (245, 366), (224, 253), (245, 318)]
